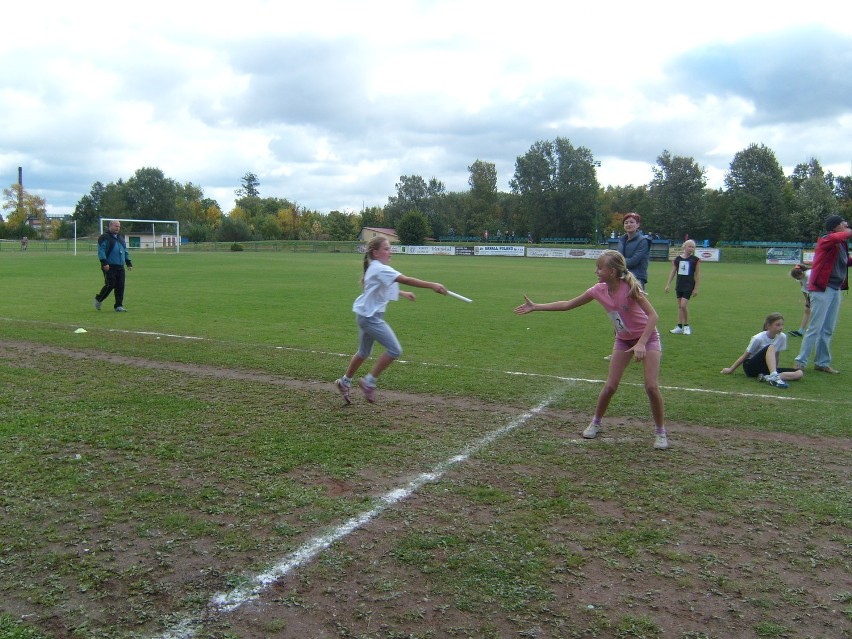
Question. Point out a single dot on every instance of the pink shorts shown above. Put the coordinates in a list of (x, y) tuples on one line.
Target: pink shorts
[(653, 343)]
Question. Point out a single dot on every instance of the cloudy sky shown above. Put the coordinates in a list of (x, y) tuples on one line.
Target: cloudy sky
[(328, 102)]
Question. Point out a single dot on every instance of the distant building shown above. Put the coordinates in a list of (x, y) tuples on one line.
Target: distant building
[(369, 232)]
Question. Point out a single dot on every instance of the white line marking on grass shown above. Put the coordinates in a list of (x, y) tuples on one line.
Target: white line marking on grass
[(789, 398), (519, 373), (685, 389), (223, 603)]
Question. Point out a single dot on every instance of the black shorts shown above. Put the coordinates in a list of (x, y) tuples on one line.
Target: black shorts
[(756, 364), (686, 293)]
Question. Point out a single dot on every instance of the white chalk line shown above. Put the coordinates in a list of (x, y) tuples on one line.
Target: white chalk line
[(684, 389), (226, 602)]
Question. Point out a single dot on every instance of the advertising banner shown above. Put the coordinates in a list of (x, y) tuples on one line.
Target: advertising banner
[(706, 254), (429, 250), (784, 256), (588, 254), (506, 251)]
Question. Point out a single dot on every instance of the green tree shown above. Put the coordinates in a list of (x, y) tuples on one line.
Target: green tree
[(249, 187), (268, 227), (151, 195), (373, 216), (339, 227), (415, 194), (233, 230), (197, 232), (717, 207), (677, 192), (19, 208), (843, 193), (615, 201), (813, 200), (558, 187), (413, 229), (87, 211), (484, 211), (755, 183)]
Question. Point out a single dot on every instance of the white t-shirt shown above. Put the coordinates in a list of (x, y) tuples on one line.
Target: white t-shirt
[(380, 287), (805, 280), (761, 340)]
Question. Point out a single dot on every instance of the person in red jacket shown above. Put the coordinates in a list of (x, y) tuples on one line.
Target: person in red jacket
[(829, 276)]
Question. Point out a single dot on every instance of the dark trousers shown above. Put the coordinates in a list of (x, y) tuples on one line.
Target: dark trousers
[(113, 281)]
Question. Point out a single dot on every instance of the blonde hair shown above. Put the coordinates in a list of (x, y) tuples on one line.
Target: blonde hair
[(689, 243), (771, 319), (615, 261), (373, 245)]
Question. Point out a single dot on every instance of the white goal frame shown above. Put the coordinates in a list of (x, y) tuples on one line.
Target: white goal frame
[(153, 223)]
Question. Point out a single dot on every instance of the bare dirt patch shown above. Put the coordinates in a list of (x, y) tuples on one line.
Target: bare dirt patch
[(728, 534)]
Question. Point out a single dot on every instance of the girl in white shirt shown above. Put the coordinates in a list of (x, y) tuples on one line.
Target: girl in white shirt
[(380, 285), (763, 352)]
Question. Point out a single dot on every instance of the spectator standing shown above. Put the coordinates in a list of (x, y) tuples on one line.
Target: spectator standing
[(635, 246), (829, 276), (113, 255)]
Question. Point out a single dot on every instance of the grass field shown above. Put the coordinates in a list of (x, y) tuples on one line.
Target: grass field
[(156, 464)]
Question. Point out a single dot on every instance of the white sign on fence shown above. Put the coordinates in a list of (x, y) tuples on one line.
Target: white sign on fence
[(508, 251)]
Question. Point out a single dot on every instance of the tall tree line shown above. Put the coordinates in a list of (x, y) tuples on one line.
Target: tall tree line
[(554, 192)]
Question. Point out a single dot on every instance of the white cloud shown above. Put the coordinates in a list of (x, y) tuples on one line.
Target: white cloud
[(329, 102)]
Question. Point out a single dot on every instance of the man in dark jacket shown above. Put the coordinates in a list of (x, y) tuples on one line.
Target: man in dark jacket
[(113, 255), (829, 276), (635, 246)]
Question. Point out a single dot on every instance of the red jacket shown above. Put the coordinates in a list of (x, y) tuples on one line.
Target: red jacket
[(824, 258)]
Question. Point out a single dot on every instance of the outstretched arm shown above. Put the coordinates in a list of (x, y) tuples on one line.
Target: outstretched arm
[(413, 281), (736, 364), (529, 306)]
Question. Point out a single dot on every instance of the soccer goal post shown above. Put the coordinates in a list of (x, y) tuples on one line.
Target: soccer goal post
[(137, 238)]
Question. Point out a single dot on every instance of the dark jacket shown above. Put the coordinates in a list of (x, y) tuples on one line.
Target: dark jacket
[(113, 251), (825, 257), (636, 252)]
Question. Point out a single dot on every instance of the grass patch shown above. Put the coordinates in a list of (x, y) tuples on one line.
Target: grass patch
[(171, 452)]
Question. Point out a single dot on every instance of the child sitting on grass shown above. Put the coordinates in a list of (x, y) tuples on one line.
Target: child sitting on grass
[(763, 352)]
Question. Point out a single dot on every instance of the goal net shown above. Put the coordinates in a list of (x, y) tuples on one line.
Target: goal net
[(147, 234)]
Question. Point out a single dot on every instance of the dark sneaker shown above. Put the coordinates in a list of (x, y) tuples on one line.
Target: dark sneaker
[(795, 333), (369, 391), (120, 309), (344, 389), (97, 304)]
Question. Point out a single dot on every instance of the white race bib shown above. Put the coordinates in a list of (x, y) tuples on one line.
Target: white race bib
[(617, 322)]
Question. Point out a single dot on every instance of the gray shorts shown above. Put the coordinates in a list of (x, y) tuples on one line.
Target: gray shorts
[(376, 329)]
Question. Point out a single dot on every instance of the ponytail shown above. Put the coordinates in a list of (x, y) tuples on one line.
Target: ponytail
[(615, 261), (373, 245)]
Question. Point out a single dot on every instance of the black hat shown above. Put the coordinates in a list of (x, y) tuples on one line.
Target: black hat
[(832, 221)]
